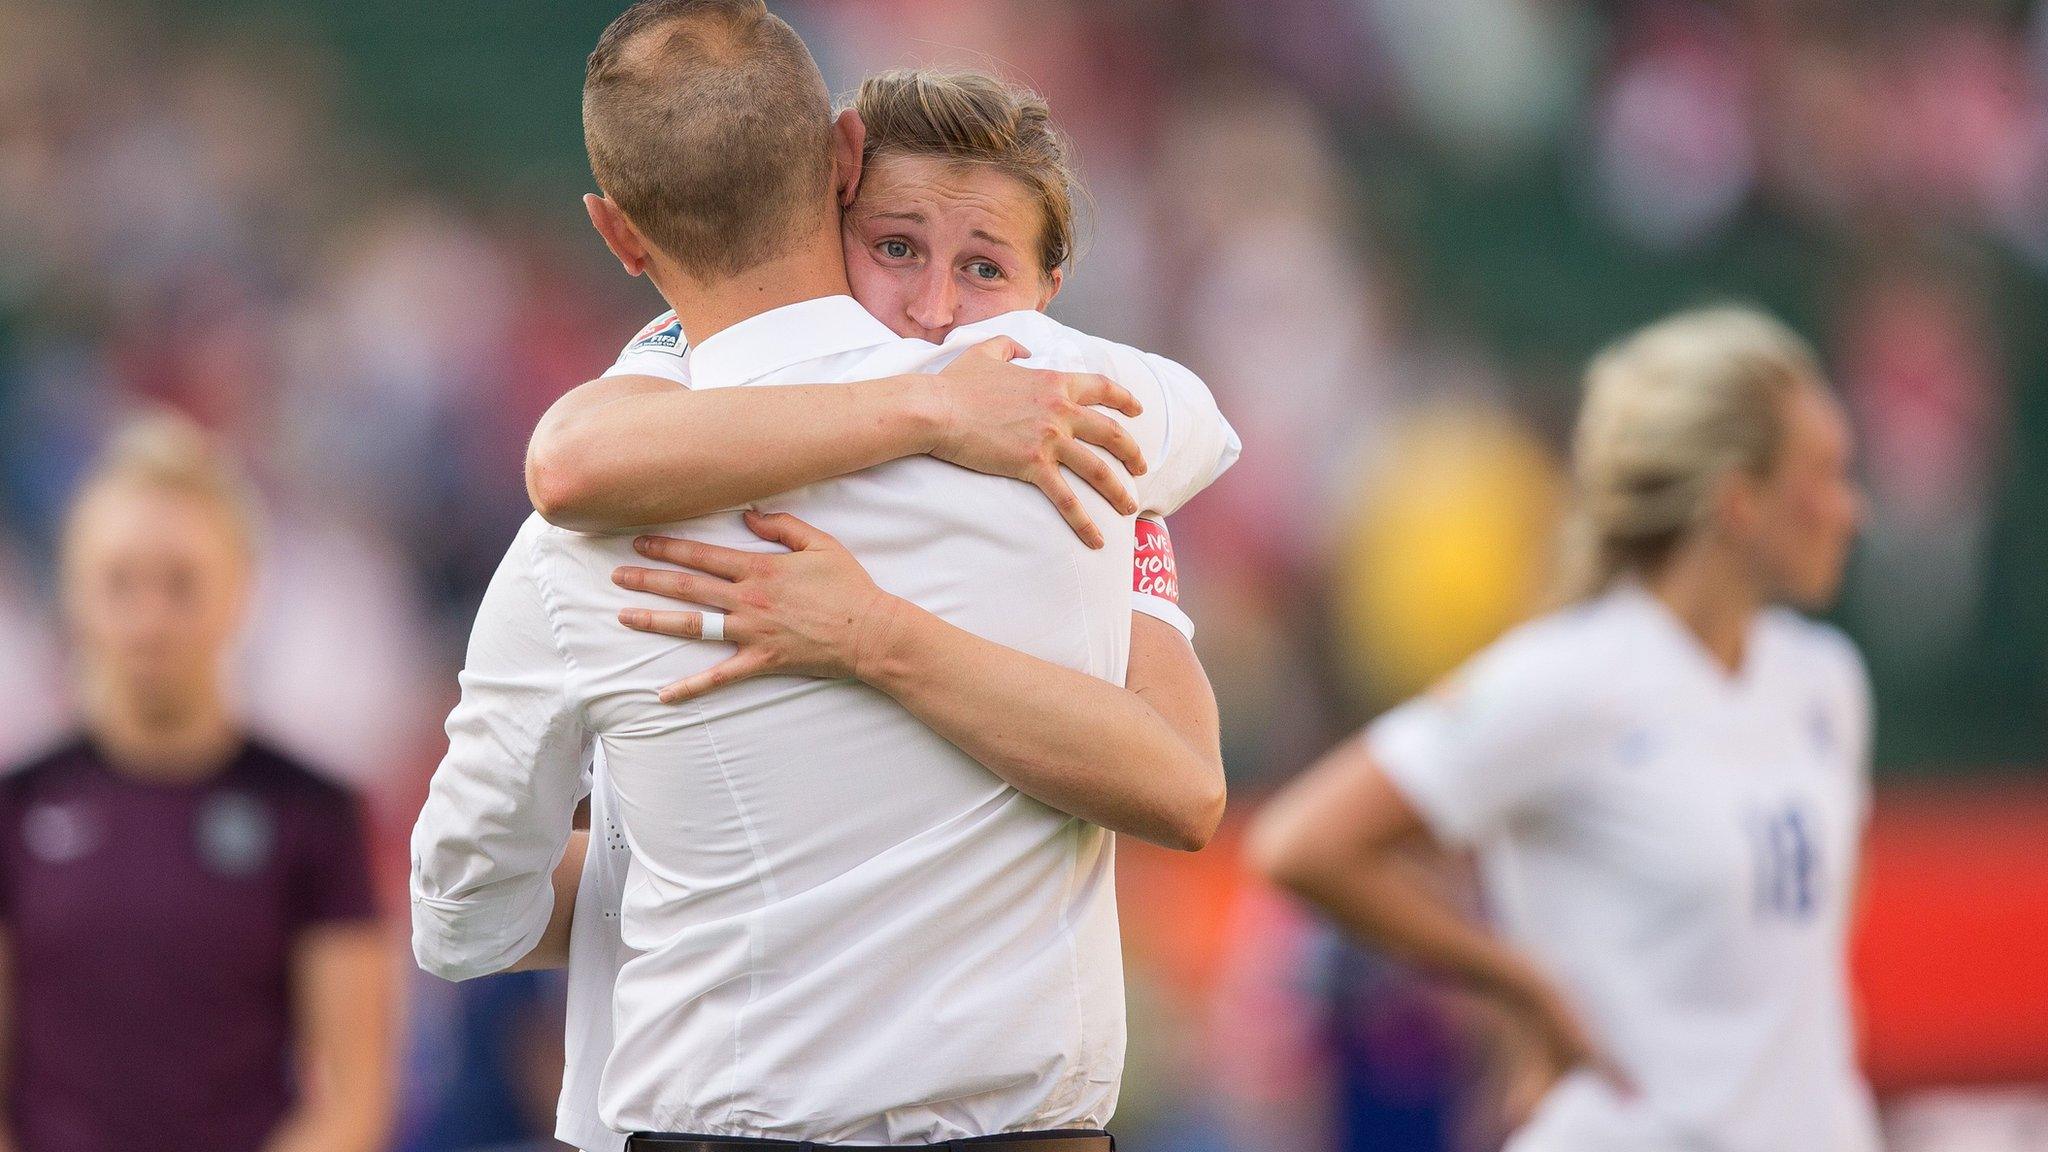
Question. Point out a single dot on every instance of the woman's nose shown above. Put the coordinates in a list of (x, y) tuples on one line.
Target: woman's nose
[(932, 307)]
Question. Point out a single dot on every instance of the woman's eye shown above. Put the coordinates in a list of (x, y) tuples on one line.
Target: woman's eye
[(895, 249), (984, 270)]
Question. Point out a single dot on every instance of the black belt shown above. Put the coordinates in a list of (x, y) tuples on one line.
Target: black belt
[(1064, 1140)]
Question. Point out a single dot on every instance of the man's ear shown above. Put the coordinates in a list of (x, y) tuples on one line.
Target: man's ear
[(849, 140), (618, 232)]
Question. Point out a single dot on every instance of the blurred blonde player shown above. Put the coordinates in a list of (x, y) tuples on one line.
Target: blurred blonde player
[(192, 958), (1665, 782)]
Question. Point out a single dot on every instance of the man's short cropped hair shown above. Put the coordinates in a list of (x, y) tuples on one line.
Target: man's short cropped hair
[(709, 125)]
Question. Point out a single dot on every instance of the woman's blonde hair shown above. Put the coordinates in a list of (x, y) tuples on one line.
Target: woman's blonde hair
[(976, 118), (1668, 411), (167, 452)]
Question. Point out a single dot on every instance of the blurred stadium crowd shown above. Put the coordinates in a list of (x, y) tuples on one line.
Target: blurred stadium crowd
[(1434, 210)]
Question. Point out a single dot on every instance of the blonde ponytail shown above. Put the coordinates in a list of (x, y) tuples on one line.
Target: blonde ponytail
[(1667, 413)]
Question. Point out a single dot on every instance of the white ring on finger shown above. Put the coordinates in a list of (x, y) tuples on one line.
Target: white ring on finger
[(714, 625)]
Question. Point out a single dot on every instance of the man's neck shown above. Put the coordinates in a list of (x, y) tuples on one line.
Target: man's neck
[(808, 271)]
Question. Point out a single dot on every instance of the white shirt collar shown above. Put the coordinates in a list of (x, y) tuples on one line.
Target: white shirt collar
[(780, 337)]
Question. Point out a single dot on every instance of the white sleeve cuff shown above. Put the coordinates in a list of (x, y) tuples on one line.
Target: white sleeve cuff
[(461, 939), (1160, 608)]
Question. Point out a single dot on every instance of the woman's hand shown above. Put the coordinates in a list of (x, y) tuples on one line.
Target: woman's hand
[(1546, 1042), (811, 611), (1003, 420)]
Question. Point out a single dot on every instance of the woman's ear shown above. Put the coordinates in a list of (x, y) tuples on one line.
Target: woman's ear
[(1053, 280), (1737, 503), (849, 140)]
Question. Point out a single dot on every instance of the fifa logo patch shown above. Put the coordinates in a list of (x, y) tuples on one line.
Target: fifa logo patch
[(1153, 572), (667, 336)]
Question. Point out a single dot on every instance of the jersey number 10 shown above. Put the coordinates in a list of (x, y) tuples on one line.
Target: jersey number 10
[(1787, 864)]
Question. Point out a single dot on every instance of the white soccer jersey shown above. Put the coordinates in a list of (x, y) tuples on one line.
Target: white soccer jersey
[(839, 926), (1678, 848)]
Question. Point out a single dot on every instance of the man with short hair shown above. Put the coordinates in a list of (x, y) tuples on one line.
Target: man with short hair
[(843, 928), (710, 129)]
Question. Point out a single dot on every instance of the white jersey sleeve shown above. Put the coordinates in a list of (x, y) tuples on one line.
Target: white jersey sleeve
[(1186, 442), (1505, 734), (659, 349), (1199, 445)]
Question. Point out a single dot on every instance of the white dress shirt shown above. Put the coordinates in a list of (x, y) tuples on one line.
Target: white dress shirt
[(839, 927), (596, 948), (1677, 846), (661, 350), (597, 951)]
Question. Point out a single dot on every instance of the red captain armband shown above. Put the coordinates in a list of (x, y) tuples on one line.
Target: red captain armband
[(1153, 573)]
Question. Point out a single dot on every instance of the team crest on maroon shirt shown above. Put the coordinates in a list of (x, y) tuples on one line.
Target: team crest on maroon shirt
[(235, 834), (58, 833)]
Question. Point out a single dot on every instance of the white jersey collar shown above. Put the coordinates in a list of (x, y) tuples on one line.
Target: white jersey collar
[(780, 337)]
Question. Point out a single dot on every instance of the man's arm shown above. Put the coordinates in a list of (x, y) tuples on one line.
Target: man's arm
[(498, 813), (630, 450), (1143, 760)]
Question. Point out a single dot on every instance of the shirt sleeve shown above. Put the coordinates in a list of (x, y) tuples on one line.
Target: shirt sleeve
[(334, 884), (658, 349), (1155, 581), (1186, 442), (498, 812), (1505, 735), (1199, 445)]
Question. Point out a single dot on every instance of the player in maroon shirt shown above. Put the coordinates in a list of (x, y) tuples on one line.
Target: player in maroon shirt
[(192, 958)]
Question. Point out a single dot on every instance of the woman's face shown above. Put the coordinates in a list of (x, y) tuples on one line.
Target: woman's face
[(932, 243), (153, 592), (1808, 508)]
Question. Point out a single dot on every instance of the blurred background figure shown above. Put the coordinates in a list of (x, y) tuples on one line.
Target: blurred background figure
[(344, 236), (1666, 782), (192, 954)]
